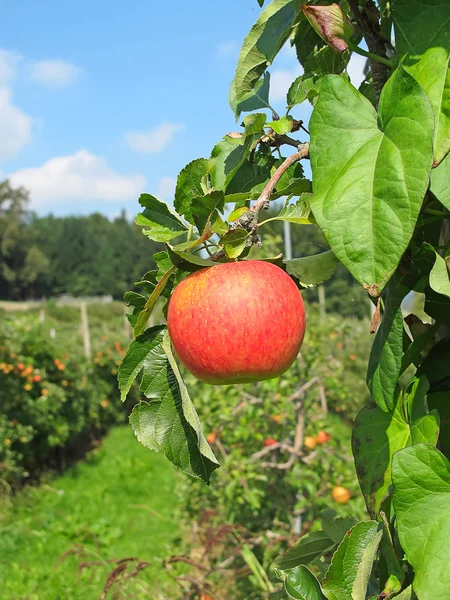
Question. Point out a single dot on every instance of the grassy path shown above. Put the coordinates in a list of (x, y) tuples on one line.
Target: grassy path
[(118, 503)]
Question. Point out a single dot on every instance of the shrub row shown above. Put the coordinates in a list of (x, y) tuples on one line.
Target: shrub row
[(53, 404)]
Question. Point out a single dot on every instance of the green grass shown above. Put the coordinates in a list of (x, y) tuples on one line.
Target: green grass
[(117, 503)]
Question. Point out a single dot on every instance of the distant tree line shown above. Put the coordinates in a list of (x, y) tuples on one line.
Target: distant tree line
[(81, 256), (93, 255)]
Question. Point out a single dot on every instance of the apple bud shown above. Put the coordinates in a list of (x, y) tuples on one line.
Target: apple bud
[(331, 23)]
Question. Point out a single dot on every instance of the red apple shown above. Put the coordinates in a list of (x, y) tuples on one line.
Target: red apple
[(237, 322), (269, 442), (323, 437)]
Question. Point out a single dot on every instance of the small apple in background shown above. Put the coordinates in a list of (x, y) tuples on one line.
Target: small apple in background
[(211, 438), (323, 437), (310, 442), (269, 442), (340, 495), (237, 322)]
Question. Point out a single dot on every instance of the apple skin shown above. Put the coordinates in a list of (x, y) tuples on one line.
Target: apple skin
[(237, 322)]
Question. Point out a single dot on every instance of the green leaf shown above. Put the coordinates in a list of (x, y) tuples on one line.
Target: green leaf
[(301, 584), (421, 30), (282, 126), (312, 270), (203, 209), (248, 182), (299, 213), (167, 423), (440, 182), (190, 185), (334, 526), (228, 156), (137, 302), (370, 173), (234, 242), (299, 90), (437, 306), (433, 73), (377, 435), (307, 43), (237, 214), (253, 100), (138, 354), (439, 279), (218, 225), (144, 315), (348, 575), (385, 361), (163, 263), (420, 25), (306, 550), (421, 477), (163, 224), (254, 124), (261, 46), (407, 594), (194, 259)]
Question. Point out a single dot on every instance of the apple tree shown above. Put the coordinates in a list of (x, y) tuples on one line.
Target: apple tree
[(380, 193)]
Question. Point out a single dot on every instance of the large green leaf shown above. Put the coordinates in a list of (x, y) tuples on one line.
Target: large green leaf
[(312, 270), (377, 435), (421, 25), (422, 31), (162, 223), (167, 423), (421, 477), (440, 182), (301, 584), (260, 47), (370, 173), (306, 550), (385, 361), (348, 575), (433, 73)]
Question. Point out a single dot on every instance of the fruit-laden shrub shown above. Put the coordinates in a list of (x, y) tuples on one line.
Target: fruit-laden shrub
[(52, 404), (285, 446)]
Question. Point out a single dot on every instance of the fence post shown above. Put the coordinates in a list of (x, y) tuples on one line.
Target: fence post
[(85, 330), (322, 301)]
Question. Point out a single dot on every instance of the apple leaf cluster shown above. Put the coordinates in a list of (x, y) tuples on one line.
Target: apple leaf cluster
[(379, 193)]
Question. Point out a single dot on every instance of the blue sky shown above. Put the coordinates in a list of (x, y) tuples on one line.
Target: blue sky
[(100, 101)]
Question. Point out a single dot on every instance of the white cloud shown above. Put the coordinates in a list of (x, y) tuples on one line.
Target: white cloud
[(54, 73), (355, 69), (15, 126), (227, 48), (166, 188), (280, 82), (79, 177), (154, 140), (9, 61)]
